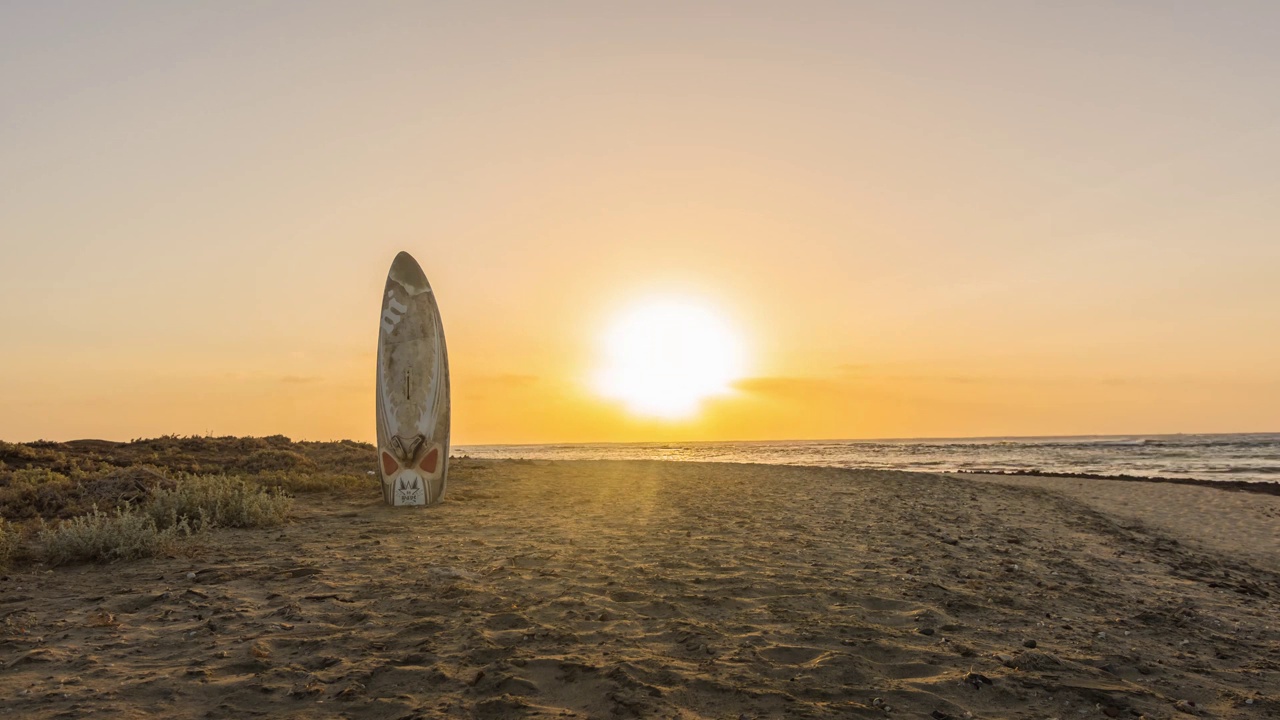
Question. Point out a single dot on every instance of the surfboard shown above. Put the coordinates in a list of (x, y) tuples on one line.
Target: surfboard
[(412, 389)]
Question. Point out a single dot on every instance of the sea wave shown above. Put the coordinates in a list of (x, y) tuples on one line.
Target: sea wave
[(1251, 457)]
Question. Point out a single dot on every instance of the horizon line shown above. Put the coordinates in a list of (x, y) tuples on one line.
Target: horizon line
[(702, 442)]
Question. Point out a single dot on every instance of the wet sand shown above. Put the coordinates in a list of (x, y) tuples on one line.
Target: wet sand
[(648, 589)]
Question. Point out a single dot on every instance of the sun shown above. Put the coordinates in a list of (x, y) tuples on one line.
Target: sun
[(663, 356)]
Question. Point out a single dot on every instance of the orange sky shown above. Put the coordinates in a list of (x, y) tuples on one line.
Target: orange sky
[(924, 219)]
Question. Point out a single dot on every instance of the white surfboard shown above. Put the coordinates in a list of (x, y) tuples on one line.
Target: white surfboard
[(413, 389)]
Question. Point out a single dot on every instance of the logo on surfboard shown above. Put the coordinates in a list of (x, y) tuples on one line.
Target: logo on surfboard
[(395, 310), (409, 491)]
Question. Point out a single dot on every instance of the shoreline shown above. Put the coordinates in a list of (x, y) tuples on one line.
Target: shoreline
[(1263, 487)]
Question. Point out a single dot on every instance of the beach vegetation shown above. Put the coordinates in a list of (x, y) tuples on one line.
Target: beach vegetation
[(163, 521), (217, 501), (268, 459), (104, 500), (9, 540), (65, 480), (125, 534), (32, 493), (11, 453)]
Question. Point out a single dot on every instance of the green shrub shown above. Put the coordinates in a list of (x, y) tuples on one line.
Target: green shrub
[(125, 535), (83, 470), (34, 476), (8, 542), (217, 500), (16, 451), (273, 459), (52, 497)]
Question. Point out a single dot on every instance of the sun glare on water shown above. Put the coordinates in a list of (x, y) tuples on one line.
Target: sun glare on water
[(662, 357)]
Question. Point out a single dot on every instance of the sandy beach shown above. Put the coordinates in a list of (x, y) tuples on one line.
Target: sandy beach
[(649, 589)]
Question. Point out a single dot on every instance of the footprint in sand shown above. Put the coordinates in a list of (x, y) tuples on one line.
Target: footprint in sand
[(790, 654)]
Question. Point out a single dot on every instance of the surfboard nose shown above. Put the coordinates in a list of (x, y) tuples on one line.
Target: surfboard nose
[(406, 271)]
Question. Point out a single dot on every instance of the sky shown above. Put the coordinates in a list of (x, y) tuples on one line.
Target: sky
[(918, 219)]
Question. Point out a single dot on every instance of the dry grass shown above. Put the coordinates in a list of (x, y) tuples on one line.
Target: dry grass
[(217, 501), (160, 525), (126, 534)]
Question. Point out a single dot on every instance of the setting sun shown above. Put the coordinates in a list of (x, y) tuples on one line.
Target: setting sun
[(663, 356)]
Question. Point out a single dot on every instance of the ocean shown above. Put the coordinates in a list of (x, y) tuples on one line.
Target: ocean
[(1252, 457)]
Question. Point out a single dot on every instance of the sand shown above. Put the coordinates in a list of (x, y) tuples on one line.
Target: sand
[(634, 589), (1238, 524)]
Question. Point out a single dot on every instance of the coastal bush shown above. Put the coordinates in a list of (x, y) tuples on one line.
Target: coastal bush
[(166, 518), (33, 476), (29, 496), (17, 452), (217, 501), (122, 486), (88, 462), (273, 459), (126, 534), (8, 542), (345, 456)]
